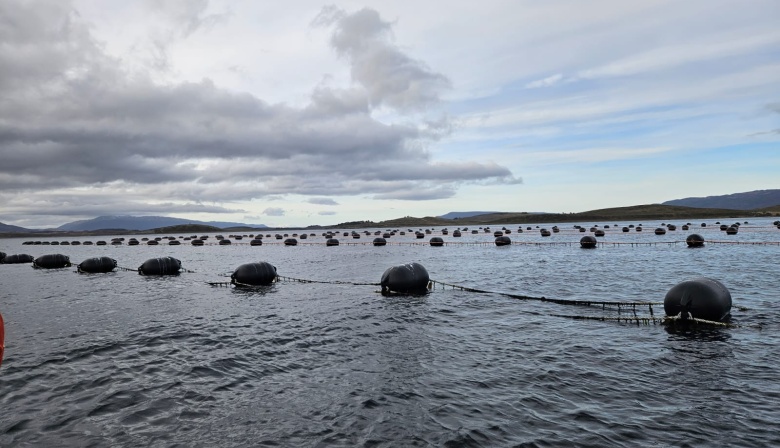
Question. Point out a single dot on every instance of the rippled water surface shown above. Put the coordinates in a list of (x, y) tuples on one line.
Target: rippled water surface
[(121, 359)]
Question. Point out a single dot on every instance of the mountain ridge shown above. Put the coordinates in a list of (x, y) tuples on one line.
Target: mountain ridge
[(749, 200), (128, 222)]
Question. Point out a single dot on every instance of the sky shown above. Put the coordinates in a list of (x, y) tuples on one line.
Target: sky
[(302, 112)]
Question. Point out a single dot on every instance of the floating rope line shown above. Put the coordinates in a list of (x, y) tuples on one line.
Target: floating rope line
[(331, 282), (603, 304), (126, 269)]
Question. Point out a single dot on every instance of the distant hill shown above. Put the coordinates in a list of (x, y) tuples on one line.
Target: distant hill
[(750, 200), (8, 228), (142, 223), (460, 215)]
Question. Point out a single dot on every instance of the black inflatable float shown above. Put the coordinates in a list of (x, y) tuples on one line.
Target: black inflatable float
[(290, 242), (254, 274), (409, 278), (503, 240), (52, 261), (588, 242), (694, 240), (160, 266), (379, 242), (97, 265), (18, 259), (436, 242), (701, 298), (332, 242)]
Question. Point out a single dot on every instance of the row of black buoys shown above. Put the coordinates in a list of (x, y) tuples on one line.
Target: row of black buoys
[(700, 298), (17, 259), (436, 242), (52, 261), (694, 240), (503, 240), (160, 266), (97, 265), (409, 278), (255, 274), (588, 242)]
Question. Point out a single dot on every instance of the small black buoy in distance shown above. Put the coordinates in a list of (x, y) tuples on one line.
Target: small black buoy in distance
[(97, 265), (694, 240), (436, 241), (598, 232), (256, 242), (198, 242), (160, 266), (332, 242), (700, 298), (52, 261), (379, 242), (588, 242), (732, 230), (409, 278), (254, 274), (660, 231), (290, 242), (503, 241)]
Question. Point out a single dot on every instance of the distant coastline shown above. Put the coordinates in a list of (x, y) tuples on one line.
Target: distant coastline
[(617, 214)]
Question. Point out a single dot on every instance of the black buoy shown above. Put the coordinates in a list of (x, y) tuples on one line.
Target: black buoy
[(625, 229), (198, 242), (225, 242), (456, 234), (545, 232), (732, 230), (18, 259), (503, 241), (97, 265), (498, 233), (290, 242), (254, 274), (582, 229), (2, 255), (588, 242), (174, 242), (409, 278), (256, 242), (332, 242), (598, 232), (379, 242), (638, 228), (436, 241), (160, 266), (52, 261), (701, 298), (694, 240), (660, 231)]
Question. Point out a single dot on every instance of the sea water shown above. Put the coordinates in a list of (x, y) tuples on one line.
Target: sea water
[(121, 359)]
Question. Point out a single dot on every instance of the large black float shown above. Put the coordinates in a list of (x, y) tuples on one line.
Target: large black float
[(694, 240), (52, 261), (160, 266), (700, 298), (588, 242), (409, 278), (254, 274), (503, 240), (17, 259), (97, 265)]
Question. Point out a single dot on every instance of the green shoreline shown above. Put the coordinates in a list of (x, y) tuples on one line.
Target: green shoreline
[(633, 213)]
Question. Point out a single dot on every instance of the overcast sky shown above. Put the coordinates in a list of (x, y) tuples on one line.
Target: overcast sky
[(302, 112)]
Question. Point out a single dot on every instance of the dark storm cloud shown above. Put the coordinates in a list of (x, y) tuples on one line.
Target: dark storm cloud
[(72, 117)]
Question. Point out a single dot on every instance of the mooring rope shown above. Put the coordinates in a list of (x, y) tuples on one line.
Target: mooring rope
[(328, 282), (603, 304)]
